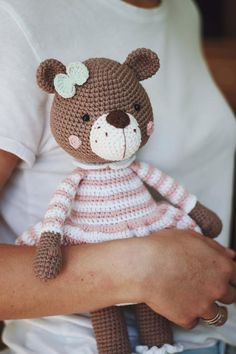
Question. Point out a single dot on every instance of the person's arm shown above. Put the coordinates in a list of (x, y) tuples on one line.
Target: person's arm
[(162, 270), (8, 163), (177, 276)]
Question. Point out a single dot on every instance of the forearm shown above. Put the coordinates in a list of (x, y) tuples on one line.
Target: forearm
[(144, 269), (93, 276)]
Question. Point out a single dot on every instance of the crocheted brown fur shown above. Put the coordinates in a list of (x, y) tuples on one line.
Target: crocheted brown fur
[(48, 261), (111, 331), (113, 89), (211, 225), (97, 96), (154, 330)]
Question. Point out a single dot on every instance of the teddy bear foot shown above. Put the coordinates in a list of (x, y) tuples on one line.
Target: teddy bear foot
[(165, 349)]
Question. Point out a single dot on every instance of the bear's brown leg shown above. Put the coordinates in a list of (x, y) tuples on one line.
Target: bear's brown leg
[(154, 330), (111, 331)]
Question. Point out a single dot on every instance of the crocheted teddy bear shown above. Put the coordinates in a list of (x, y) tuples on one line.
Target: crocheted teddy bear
[(101, 115)]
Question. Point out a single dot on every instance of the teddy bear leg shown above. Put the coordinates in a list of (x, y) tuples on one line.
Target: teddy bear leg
[(154, 330), (111, 331)]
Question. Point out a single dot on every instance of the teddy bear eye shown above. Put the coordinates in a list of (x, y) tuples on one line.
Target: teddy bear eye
[(85, 117), (137, 107)]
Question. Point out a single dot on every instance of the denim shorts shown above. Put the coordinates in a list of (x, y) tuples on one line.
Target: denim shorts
[(219, 348)]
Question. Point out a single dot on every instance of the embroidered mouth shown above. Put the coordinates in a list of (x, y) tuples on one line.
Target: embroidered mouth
[(115, 143)]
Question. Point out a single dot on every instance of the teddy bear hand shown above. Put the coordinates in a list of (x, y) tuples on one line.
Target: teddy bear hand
[(48, 260), (208, 221)]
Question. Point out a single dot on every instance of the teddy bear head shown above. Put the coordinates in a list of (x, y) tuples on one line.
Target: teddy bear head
[(100, 111)]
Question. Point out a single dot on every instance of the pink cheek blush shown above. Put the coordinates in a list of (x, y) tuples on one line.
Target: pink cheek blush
[(150, 128), (74, 141)]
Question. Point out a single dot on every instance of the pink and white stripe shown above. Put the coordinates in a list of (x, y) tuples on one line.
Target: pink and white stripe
[(166, 186), (60, 203), (105, 204)]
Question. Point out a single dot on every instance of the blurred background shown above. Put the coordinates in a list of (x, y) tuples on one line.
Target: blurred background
[(219, 32), (218, 17), (219, 45)]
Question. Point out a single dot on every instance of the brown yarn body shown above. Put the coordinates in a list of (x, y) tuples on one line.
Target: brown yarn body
[(111, 88)]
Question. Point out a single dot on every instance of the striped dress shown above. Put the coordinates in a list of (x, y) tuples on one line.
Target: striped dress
[(94, 205)]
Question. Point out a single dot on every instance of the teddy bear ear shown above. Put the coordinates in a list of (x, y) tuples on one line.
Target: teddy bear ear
[(46, 73), (144, 62)]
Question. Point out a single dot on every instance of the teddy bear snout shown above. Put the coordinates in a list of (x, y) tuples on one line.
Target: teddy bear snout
[(115, 136), (119, 119)]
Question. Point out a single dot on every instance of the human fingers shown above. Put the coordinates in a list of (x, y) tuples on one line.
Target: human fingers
[(227, 282), (190, 324), (232, 280), (215, 315), (230, 273), (210, 313), (217, 246), (183, 319), (230, 252), (230, 295), (201, 266)]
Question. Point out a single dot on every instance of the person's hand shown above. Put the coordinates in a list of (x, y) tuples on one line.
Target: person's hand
[(183, 273)]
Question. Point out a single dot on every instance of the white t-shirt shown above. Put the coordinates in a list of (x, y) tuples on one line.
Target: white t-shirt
[(194, 140)]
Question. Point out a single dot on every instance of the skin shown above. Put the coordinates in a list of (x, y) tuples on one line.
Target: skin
[(157, 265), (147, 4)]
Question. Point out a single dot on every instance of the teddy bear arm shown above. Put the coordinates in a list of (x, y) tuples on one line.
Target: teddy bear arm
[(48, 259), (60, 204), (171, 190), (208, 221), (166, 186)]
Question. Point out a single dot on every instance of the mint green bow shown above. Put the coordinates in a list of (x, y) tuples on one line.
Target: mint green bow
[(77, 74)]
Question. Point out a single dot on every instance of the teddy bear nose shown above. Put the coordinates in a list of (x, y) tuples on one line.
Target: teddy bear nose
[(118, 119)]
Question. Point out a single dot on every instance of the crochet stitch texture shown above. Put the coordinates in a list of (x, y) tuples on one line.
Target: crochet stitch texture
[(92, 206), (101, 115)]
